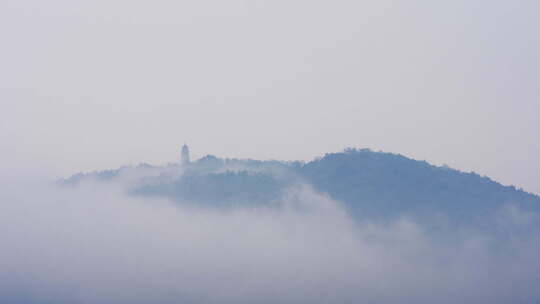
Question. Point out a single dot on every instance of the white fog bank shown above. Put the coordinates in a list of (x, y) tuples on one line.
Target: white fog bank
[(92, 244)]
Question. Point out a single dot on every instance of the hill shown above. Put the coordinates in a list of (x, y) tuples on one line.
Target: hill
[(378, 183), (370, 184)]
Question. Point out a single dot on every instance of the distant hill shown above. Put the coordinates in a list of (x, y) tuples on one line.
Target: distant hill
[(374, 184), (378, 183)]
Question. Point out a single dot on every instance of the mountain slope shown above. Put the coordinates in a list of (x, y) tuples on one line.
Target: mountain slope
[(370, 184), (377, 183)]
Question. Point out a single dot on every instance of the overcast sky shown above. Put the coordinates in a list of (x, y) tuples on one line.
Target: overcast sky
[(88, 85)]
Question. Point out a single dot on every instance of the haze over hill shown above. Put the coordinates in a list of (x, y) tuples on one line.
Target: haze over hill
[(370, 184), (354, 227), (93, 84)]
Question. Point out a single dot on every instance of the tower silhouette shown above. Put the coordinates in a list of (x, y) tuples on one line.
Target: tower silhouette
[(184, 157)]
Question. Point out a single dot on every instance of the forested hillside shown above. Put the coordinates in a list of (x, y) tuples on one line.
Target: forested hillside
[(374, 184), (378, 183)]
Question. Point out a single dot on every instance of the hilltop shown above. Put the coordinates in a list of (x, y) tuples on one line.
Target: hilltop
[(369, 183)]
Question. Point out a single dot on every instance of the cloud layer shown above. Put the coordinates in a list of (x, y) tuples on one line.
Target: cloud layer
[(93, 244)]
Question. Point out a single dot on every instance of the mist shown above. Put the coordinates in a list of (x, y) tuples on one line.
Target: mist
[(445, 89), (93, 243)]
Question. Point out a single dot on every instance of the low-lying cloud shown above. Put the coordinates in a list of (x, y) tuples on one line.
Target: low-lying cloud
[(94, 244)]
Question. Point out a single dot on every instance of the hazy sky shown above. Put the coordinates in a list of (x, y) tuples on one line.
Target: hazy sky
[(96, 84)]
